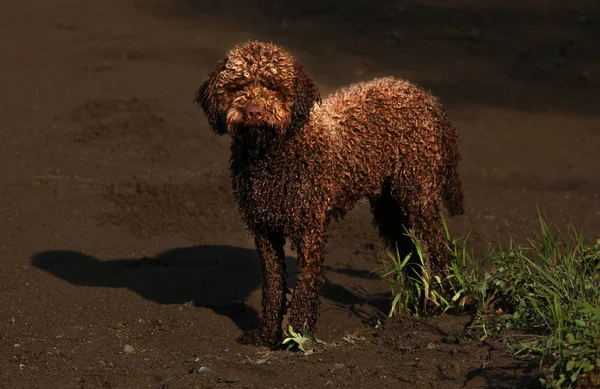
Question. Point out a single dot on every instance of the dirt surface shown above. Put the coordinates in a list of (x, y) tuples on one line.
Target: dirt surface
[(123, 263)]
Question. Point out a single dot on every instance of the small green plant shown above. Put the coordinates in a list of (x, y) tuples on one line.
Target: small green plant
[(404, 288), (468, 284), (303, 341)]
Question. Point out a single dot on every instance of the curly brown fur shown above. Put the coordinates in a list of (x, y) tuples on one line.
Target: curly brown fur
[(297, 165)]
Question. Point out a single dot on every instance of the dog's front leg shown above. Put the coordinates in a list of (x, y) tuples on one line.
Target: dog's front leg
[(306, 298), (272, 259)]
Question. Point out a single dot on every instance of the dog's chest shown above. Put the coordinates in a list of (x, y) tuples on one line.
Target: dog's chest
[(279, 197)]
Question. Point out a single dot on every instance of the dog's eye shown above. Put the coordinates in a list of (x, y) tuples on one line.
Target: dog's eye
[(271, 86)]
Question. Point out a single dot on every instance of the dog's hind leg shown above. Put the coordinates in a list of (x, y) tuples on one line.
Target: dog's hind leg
[(270, 249), (392, 223), (422, 200)]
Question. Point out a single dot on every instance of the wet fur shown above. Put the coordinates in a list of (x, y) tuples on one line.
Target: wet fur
[(386, 140)]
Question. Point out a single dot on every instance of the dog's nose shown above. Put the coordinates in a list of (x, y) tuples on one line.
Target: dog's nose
[(254, 112)]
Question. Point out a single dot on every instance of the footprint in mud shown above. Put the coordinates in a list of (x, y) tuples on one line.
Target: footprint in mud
[(131, 125)]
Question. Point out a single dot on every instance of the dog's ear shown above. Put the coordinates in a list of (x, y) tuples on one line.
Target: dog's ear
[(306, 95), (206, 99)]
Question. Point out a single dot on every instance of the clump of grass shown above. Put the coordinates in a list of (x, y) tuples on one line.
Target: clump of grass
[(417, 291), (408, 291), (550, 287), (558, 294)]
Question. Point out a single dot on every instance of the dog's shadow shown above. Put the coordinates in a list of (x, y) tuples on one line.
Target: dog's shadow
[(215, 277)]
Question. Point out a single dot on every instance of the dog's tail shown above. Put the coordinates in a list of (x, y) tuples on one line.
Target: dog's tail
[(453, 194)]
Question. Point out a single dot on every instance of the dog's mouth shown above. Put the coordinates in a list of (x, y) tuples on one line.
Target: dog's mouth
[(249, 127), (254, 123)]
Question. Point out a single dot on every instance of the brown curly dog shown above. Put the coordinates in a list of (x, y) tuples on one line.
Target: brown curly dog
[(298, 163)]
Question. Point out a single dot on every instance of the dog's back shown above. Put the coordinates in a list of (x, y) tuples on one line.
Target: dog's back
[(383, 126)]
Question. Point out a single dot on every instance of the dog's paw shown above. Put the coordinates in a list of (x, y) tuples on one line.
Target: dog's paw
[(255, 337)]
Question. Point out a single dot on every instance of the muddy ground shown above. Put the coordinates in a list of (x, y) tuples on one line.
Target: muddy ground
[(123, 263)]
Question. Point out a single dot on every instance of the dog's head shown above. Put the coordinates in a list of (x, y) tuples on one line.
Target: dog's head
[(258, 86)]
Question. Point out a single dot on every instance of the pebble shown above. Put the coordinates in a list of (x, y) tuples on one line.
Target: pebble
[(201, 370), (337, 366), (128, 349)]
